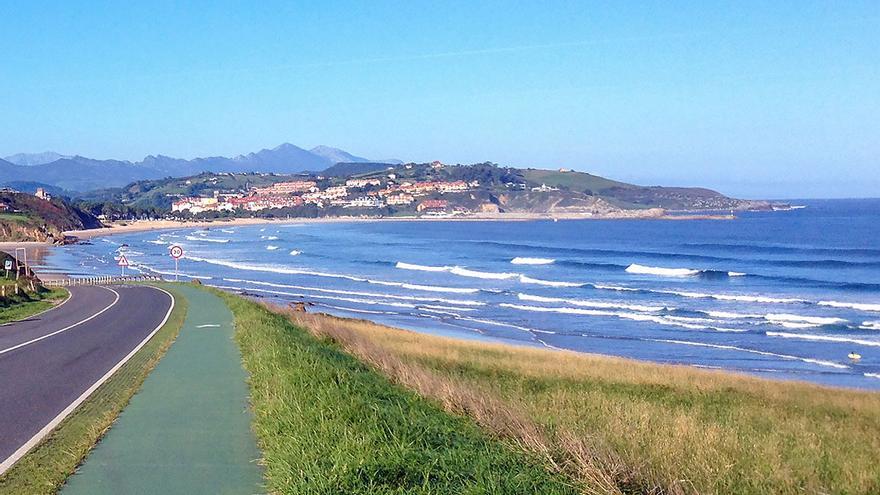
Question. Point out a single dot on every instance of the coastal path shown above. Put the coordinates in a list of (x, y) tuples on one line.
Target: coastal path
[(188, 430)]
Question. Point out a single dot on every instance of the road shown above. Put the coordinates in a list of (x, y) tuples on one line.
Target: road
[(48, 361)]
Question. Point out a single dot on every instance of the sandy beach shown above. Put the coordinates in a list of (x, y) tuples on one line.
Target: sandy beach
[(150, 225)]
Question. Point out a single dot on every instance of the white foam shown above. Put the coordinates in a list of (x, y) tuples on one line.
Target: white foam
[(271, 248), (825, 338), (157, 241), (870, 325), (206, 239), (731, 315), (660, 320), (332, 298), (447, 308), (460, 302), (849, 305), (754, 351), (170, 273), (615, 287), (227, 231), (506, 325), (423, 268), (531, 261), (429, 288), (550, 283), (732, 297), (872, 375), (295, 253), (590, 304), (464, 272), (800, 319), (663, 272), (736, 274), (269, 237), (563, 310)]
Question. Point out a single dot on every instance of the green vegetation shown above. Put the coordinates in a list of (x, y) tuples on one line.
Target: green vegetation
[(29, 218), (573, 181), (44, 469), (621, 426), (16, 307), (329, 424)]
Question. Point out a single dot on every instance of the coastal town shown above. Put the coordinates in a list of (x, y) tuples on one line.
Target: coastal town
[(356, 193)]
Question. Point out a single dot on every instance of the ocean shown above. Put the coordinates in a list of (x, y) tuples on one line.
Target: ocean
[(785, 294)]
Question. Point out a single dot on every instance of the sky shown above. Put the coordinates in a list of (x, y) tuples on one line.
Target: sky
[(755, 99)]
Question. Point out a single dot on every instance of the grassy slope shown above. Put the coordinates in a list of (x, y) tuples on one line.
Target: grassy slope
[(14, 308), (44, 469), (645, 425), (329, 424), (575, 181)]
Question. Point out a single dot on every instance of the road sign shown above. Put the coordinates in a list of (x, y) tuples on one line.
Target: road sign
[(123, 262), (176, 253), (8, 265)]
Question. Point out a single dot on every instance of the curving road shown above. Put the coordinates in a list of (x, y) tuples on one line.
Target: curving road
[(49, 361)]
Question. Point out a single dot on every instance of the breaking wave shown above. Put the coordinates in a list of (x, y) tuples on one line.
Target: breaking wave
[(361, 293), (531, 261), (638, 269), (464, 272), (754, 351), (825, 338), (205, 239), (549, 283), (689, 323), (849, 305), (423, 268), (297, 271), (591, 304)]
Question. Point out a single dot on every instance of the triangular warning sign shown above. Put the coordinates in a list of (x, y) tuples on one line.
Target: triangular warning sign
[(123, 261)]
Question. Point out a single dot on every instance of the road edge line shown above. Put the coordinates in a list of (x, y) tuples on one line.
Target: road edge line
[(40, 435), (68, 298), (68, 327)]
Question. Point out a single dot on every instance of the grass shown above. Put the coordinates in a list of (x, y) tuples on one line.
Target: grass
[(23, 305), (328, 423), (618, 425), (45, 468)]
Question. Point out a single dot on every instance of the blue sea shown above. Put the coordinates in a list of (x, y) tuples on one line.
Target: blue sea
[(786, 294)]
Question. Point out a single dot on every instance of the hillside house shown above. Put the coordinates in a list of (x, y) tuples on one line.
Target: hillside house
[(432, 205)]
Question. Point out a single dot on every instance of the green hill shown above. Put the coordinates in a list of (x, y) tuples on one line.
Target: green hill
[(24, 217)]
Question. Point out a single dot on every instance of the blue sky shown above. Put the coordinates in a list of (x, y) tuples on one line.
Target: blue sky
[(757, 99)]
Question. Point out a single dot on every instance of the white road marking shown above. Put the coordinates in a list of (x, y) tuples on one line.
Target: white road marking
[(38, 437), (208, 325), (56, 332), (68, 298)]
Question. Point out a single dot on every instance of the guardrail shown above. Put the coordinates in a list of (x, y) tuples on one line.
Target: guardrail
[(108, 280)]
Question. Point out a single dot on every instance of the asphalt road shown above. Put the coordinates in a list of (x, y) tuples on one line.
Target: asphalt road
[(49, 360)]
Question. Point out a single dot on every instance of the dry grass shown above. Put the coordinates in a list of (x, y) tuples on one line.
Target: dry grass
[(624, 426)]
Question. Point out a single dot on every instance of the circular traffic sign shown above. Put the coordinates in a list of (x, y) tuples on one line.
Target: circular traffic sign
[(176, 252)]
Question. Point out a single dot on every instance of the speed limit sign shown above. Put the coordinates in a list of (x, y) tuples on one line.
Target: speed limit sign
[(176, 253)]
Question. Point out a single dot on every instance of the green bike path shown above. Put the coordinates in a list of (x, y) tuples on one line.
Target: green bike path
[(188, 430)]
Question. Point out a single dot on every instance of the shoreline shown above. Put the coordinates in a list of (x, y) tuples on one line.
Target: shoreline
[(153, 225)]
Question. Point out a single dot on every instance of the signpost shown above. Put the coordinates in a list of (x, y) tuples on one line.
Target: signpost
[(8, 266), (176, 253), (123, 262)]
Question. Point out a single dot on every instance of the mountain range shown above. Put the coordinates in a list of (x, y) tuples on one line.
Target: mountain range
[(81, 174)]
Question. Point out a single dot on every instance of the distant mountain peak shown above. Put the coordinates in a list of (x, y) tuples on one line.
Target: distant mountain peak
[(336, 155), (32, 159), (78, 173)]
